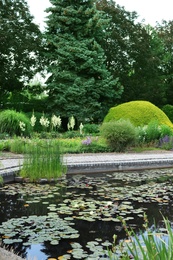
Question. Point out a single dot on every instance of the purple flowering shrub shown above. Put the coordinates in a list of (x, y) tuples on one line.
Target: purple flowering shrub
[(166, 142), (91, 144), (87, 141)]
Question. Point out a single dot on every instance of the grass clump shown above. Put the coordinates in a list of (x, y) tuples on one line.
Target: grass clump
[(150, 245), (119, 134), (42, 161), (14, 123)]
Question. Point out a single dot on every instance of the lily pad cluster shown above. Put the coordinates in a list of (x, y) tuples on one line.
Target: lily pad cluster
[(52, 211), (37, 229)]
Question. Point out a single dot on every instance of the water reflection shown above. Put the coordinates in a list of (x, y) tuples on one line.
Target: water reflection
[(129, 191)]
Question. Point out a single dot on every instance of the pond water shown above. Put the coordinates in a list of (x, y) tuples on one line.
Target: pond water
[(77, 217)]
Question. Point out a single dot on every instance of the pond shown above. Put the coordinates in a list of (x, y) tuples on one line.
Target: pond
[(77, 217)]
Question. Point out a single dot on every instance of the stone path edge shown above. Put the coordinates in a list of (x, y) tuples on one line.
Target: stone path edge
[(96, 163)]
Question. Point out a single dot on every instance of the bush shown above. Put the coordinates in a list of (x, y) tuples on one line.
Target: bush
[(10, 121), (152, 132), (168, 110), (165, 130), (166, 142), (71, 134), (91, 129), (140, 113), (119, 134)]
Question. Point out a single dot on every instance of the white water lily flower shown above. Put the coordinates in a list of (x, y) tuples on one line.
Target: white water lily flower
[(109, 203)]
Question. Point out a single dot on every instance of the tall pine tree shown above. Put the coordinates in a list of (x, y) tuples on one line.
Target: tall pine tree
[(79, 85)]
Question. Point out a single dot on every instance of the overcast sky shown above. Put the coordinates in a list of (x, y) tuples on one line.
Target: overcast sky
[(150, 10)]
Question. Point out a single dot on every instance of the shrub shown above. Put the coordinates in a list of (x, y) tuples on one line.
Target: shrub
[(14, 123), (71, 134), (119, 134), (91, 129), (139, 113), (152, 132), (168, 110), (93, 145), (166, 142), (165, 130)]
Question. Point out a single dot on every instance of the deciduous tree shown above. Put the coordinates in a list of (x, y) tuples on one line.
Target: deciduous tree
[(20, 46)]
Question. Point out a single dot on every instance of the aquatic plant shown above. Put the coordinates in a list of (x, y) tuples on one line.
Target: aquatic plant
[(42, 161), (147, 245)]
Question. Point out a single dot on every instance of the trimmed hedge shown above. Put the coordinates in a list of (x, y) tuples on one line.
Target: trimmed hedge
[(139, 113)]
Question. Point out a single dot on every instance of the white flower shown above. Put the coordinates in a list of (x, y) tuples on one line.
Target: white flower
[(22, 126), (33, 120), (68, 126), (109, 203), (71, 123), (56, 121), (81, 128), (44, 121)]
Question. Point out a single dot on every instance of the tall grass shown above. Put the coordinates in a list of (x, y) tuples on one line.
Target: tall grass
[(42, 160), (149, 245), (10, 123)]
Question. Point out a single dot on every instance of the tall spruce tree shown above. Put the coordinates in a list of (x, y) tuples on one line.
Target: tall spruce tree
[(79, 85)]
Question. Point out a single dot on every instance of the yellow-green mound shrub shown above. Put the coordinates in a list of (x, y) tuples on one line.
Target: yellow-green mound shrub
[(139, 113)]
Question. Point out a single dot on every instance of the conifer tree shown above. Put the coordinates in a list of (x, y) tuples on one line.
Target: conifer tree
[(79, 85)]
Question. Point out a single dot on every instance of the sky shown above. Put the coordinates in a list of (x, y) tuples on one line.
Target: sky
[(150, 10)]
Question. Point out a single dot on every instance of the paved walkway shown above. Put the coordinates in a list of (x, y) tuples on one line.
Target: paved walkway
[(97, 162)]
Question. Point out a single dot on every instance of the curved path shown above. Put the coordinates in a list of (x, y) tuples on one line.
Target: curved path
[(10, 163)]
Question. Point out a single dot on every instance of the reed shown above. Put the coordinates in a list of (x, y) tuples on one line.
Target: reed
[(42, 161), (148, 245)]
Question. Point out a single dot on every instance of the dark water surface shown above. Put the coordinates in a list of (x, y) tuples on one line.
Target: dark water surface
[(91, 205)]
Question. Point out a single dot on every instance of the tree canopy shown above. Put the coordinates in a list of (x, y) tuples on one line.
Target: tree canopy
[(20, 46), (80, 84)]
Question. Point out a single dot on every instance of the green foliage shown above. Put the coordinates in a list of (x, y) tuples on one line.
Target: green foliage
[(80, 85), (93, 145), (71, 134), (42, 161), (166, 142), (140, 113), (152, 132), (147, 245), (168, 110), (10, 123), (127, 52), (20, 38), (91, 129), (165, 130), (1, 180), (119, 134)]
